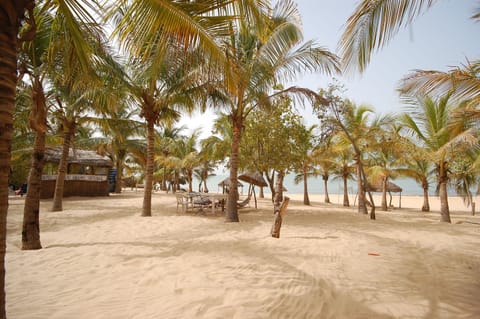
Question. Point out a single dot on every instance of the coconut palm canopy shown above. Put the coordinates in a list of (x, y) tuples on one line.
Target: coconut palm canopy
[(85, 157)]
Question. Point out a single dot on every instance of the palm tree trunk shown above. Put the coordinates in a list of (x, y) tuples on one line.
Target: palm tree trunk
[(384, 194), (147, 196), (426, 204), (346, 202), (31, 210), (278, 199), (119, 177), (62, 169), (306, 199), (232, 209), (325, 185), (444, 210), (11, 14), (362, 203), (205, 187)]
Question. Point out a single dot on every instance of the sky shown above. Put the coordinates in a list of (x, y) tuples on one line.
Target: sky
[(442, 37)]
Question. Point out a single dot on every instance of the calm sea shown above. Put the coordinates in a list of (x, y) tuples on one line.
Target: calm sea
[(315, 185)]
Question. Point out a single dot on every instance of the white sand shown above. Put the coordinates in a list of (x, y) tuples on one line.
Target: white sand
[(102, 260)]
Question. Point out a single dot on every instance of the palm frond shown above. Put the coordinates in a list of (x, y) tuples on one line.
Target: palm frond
[(372, 25)]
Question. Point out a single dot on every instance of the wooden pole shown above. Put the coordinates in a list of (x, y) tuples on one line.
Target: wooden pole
[(277, 221)]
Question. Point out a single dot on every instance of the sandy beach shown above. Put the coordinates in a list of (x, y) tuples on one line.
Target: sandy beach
[(100, 259)]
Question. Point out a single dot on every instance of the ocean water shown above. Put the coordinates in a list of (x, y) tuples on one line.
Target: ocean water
[(316, 185)]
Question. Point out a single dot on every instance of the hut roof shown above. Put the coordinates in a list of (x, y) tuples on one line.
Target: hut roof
[(85, 157), (391, 187)]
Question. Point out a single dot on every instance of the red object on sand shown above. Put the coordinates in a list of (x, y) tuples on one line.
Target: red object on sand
[(373, 254)]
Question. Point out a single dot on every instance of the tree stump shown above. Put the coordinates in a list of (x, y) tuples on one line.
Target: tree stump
[(277, 221)]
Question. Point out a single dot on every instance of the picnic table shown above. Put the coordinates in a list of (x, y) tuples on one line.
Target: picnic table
[(197, 201)]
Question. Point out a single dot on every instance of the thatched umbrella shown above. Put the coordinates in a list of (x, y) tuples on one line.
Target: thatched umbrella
[(226, 184), (254, 178), (391, 187)]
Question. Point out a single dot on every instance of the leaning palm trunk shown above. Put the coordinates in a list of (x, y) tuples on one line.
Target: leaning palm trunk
[(62, 170), (232, 209), (362, 203), (325, 185), (147, 196), (346, 202), (31, 210)]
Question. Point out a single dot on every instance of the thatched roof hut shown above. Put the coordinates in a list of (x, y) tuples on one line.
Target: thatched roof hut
[(87, 173), (76, 156)]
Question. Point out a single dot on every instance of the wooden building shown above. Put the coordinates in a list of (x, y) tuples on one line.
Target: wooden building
[(87, 173)]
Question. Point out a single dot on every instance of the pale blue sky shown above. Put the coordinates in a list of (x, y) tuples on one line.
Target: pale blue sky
[(441, 37)]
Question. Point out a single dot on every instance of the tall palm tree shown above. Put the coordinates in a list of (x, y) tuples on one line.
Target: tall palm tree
[(430, 122), (12, 15), (167, 140), (33, 64), (345, 168), (415, 163), (307, 164), (383, 156), (120, 135), (186, 150), (38, 58), (325, 159), (260, 57)]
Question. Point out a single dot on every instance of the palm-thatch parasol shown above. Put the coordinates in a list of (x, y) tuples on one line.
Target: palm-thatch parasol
[(254, 178), (391, 188), (226, 184), (377, 187)]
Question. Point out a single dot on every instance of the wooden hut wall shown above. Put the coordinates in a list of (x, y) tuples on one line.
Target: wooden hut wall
[(75, 187)]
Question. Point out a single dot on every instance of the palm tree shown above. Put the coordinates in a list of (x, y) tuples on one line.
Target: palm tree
[(75, 98), (188, 155), (12, 15), (167, 140), (416, 164), (325, 159), (430, 122), (384, 156), (344, 169), (260, 57), (120, 136), (32, 61), (306, 145)]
